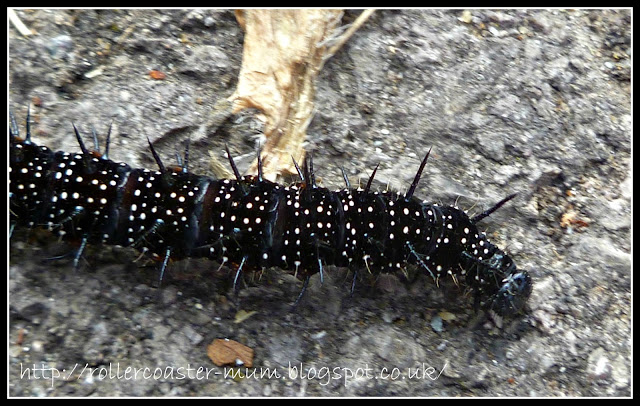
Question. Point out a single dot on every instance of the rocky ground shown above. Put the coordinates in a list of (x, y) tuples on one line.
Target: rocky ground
[(529, 101)]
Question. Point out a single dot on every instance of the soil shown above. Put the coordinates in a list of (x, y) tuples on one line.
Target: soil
[(529, 101)]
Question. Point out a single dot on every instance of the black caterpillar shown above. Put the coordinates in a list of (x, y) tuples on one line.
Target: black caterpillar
[(252, 223)]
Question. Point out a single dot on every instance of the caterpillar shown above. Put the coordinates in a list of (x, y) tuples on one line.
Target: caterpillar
[(250, 223)]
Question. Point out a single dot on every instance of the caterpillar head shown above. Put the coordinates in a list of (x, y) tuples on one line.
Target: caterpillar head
[(500, 288), (512, 295)]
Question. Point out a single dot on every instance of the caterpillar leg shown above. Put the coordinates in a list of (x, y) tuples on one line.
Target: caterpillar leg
[(420, 261), (353, 282), (238, 272), (165, 262), (78, 255), (305, 284)]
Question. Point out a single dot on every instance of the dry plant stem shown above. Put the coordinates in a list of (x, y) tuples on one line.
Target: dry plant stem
[(349, 32), (15, 20), (284, 50)]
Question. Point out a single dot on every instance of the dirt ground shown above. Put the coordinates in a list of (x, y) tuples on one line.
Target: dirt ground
[(529, 101)]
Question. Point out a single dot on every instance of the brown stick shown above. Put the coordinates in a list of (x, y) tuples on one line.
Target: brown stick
[(284, 51)]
